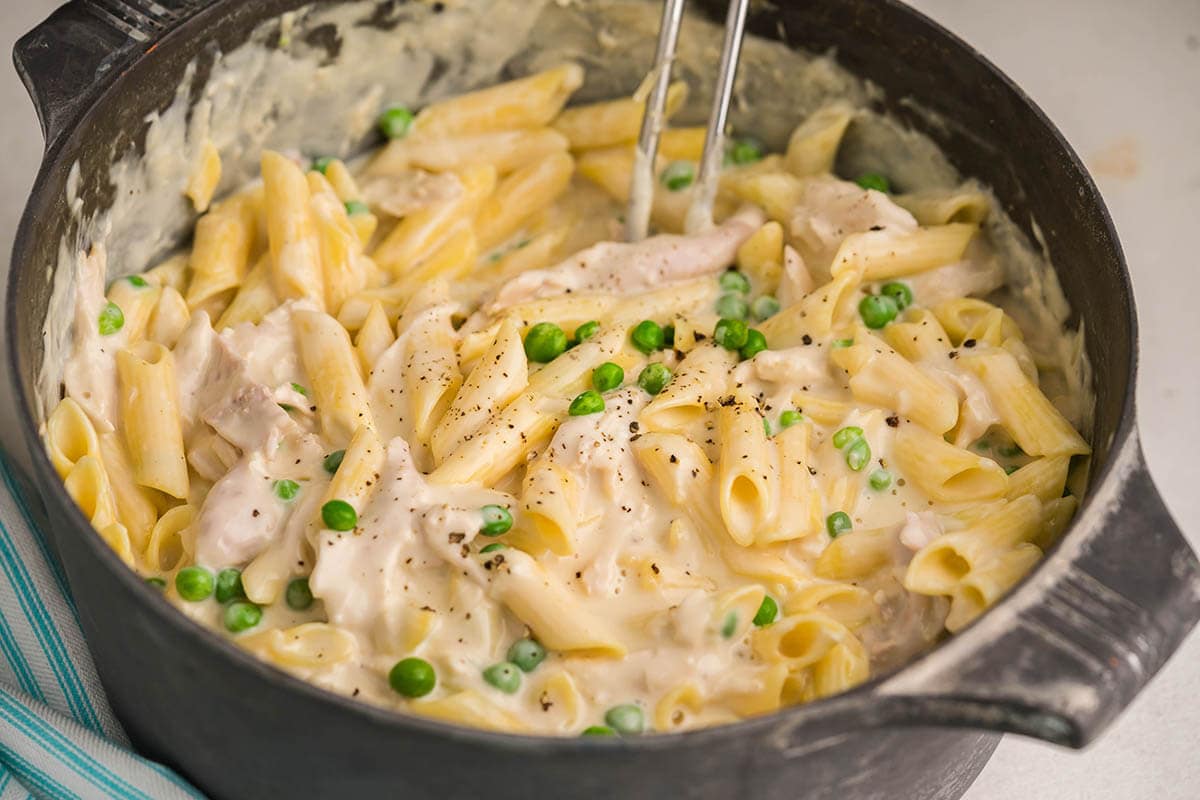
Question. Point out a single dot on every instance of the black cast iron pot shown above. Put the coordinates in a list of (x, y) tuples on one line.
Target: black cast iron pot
[(1058, 659)]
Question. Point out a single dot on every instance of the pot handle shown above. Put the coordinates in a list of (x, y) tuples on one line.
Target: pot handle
[(73, 55), (1069, 649)]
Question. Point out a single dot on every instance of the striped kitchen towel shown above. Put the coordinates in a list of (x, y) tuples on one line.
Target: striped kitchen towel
[(58, 736)]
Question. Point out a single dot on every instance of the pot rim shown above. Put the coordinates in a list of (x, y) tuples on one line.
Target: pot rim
[(52, 490)]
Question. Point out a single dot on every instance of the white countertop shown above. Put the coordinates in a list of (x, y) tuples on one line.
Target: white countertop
[(1122, 80)]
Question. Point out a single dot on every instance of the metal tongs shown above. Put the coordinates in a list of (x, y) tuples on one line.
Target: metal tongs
[(699, 216)]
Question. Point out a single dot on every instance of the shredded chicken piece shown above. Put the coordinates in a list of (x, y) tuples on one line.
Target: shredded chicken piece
[(631, 268)]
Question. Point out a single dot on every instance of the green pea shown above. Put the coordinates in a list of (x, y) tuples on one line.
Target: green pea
[(241, 616), (764, 307), (286, 489), (356, 207), (734, 281), (504, 676), (338, 515), (877, 310), (668, 336), (767, 428), (755, 344), (900, 292), (768, 610), (607, 376), (526, 654), (744, 151), (858, 455), (1010, 469), (731, 334), (321, 164), (588, 402), (789, 418), (493, 547), (598, 730), (873, 180), (137, 281), (733, 306), (194, 584), (412, 677), (395, 122), (545, 342), (1013, 451), (298, 595), (678, 175), (842, 343), (626, 719), (112, 319), (654, 377), (846, 435), (729, 626), (156, 582), (838, 523), (880, 479), (648, 336), (333, 461), (496, 520), (587, 330), (229, 585)]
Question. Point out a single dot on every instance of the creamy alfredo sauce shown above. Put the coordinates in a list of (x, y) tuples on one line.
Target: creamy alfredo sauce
[(649, 588)]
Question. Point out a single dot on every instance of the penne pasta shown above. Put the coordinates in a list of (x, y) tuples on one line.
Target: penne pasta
[(225, 240), (202, 184), (941, 565), (613, 122), (941, 207), (498, 377), (150, 412), (529, 102), (295, 247), (948, 474), (880, 376), (419, 234), (552, 613), (334, 374), (813, 146), (1032, 420), (253, 300), (523, 194), (876, 255), (748, 471)]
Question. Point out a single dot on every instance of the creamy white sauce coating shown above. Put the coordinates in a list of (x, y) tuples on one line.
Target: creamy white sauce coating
[(413, 559)]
